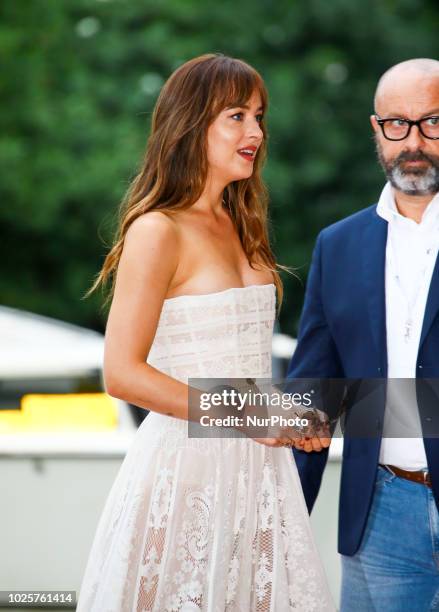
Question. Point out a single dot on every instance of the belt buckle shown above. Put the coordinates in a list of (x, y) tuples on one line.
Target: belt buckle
[(425, 476)]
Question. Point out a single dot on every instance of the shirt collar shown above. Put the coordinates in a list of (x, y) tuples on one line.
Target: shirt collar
[(386, 208)]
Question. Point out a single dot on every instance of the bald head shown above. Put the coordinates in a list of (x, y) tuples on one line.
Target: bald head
[(406, 127), (406, 76)]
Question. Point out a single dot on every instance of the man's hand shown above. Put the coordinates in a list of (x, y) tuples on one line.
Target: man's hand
[(314, 437), (311, 444), (317, 435)]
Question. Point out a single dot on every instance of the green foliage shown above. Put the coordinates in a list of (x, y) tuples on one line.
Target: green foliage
[(79, 81)]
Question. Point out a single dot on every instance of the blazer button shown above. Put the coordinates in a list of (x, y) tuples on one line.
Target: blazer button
[(379, 370)]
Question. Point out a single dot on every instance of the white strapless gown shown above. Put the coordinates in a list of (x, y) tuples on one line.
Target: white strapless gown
[(214, 524)]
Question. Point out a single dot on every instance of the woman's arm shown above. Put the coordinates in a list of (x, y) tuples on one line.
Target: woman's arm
[(146, 269)]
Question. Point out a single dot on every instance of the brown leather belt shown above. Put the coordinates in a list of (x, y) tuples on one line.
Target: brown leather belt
[(419, 477)]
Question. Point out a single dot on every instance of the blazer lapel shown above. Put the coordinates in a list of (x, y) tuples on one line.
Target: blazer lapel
[(374, 260), (432, 306)]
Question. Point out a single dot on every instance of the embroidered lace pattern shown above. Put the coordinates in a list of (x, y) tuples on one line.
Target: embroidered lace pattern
[(212, 524)]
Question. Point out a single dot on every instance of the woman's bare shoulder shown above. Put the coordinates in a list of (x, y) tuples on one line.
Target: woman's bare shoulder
[(153, 230), (152, 238), (153, 224)]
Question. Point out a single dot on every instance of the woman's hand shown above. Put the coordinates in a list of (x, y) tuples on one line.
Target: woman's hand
[(274, 442), (314, 437), (306, 444)]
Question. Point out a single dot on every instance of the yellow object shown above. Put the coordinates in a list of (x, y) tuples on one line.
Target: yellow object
[(12, 421), (61, 412)]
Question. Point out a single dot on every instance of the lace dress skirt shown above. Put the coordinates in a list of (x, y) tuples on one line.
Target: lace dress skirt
[(206, 524), (218, 525)]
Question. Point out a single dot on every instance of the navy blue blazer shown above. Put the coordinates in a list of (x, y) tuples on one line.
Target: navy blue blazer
[(343, 334)]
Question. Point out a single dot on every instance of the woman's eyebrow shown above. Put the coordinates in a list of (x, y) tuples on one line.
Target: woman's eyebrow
[(261, 108)]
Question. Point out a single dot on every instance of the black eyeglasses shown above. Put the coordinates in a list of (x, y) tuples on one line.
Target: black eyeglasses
[(395, 128)]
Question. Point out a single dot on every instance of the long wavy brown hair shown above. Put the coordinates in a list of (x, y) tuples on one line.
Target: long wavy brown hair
[(174, 169)]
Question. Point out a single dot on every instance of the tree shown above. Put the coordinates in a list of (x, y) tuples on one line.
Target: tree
[(80, 79)]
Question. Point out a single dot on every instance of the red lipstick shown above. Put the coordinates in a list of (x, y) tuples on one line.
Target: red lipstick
[(248, 153)]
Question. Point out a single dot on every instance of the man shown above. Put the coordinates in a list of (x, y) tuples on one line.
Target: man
[(372, 310)]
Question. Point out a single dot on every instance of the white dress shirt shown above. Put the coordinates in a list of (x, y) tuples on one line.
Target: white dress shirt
[(411, 253)]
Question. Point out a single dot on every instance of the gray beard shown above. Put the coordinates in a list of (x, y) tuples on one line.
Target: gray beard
[(415, 183)]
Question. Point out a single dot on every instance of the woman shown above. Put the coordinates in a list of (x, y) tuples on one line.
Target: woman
[(198, 524)]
